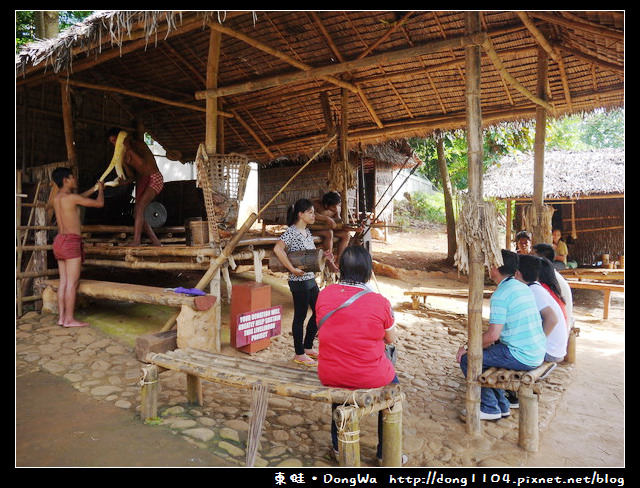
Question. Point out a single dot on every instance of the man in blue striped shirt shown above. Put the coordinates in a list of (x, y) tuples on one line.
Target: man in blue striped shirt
[(515, 338)]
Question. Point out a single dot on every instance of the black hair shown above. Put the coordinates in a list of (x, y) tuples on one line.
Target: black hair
[(523, 234), (529, 267), (356, 264), (545, 250), (59, 174), (114, 131), (301, 205), (331, 198), (510, 263), (548, 277)]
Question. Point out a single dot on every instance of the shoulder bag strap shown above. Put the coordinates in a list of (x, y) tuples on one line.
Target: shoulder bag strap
[(345, 304)]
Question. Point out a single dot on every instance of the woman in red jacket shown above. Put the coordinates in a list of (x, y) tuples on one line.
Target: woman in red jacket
[(352, 339)]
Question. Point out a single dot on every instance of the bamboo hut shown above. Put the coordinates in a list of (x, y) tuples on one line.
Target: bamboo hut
[(298, 83), (585, 189), (370, 182)]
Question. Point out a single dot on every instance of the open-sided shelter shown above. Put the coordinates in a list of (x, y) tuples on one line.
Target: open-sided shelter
[(260, 83), (585, 189)]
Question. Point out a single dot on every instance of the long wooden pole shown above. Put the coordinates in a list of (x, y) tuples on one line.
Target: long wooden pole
[(476, 255), (538, 153)]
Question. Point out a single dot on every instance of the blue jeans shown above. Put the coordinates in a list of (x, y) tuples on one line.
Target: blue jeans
[(493, 400)]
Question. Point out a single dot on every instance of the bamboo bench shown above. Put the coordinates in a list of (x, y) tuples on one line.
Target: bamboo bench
[(607, 288), (423, 293), (528, 387), (195, 319), (245, 373)]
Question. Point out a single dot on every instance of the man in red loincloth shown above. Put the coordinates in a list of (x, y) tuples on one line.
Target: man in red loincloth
[(67, 245), (149, 182)]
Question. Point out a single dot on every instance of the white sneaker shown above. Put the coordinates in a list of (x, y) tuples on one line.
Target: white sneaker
[(483, 415)]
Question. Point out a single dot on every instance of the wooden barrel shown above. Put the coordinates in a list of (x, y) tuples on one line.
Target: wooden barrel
[(199, 232), (309, 260)]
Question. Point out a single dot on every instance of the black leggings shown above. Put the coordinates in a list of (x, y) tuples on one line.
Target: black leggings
[(305, 294)]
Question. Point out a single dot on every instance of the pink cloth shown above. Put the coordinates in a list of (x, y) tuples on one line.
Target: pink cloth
[(68, 246)]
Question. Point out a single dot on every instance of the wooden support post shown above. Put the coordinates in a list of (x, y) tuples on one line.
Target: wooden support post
[(392, 435), (194, 390), (528, 428), (538, 154), (571, 346), (348, 421), (149, 393), (476, 256)]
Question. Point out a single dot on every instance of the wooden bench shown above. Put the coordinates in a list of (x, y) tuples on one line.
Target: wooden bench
[(527, 385), (607, 288), (438, 292), (195, 321), (245, 373)]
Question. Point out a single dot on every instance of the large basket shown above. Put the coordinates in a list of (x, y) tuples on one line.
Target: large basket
[(223, 179)]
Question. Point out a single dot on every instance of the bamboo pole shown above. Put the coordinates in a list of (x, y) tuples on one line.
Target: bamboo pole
[(528, 422), (392, 435), (476, 255), (149, 393), (538, 155)]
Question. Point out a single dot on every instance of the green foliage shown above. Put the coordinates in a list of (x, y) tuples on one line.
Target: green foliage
[(419, 206), (598, 129), (26, 23)]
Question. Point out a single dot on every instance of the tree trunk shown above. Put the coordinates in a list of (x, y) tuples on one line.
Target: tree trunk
[(448, 201)]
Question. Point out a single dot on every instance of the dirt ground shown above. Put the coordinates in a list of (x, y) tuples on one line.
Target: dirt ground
[(59, 426)]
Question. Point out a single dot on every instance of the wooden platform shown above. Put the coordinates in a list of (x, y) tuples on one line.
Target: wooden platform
[(423, 293), (127, 292), (528, 387), (245, 373), (606, 288)]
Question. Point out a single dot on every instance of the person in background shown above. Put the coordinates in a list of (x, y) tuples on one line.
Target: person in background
[(545, 250), (303, 286), (514, 338), (149, 182), (553, 322), (67, 244), (560, 247), (352, 338), (328, 210), (523, 242), (547, 278)]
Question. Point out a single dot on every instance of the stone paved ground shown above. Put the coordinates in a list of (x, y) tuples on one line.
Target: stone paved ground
[(296, 432)]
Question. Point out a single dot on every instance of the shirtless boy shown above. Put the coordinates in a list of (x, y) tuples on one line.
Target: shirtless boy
[(149, 182), (328, 210), (67, 245)]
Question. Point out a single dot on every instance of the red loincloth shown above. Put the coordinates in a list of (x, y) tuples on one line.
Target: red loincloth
[(68, 246), (155, 181)]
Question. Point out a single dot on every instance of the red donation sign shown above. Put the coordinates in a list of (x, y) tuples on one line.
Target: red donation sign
[(258, 324)]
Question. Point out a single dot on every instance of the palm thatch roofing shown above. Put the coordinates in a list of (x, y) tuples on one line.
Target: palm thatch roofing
[(567, 174), (281, 73)]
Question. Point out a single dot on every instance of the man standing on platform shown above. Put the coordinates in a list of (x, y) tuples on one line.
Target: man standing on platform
[(149, 182)]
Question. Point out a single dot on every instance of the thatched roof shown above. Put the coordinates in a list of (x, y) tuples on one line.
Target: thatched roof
[(404, 73), (567, 174)]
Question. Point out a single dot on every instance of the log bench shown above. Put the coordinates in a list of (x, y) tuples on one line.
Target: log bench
[(607, 288), (423, 293), (196, 320), (527, 384), (245, 373)]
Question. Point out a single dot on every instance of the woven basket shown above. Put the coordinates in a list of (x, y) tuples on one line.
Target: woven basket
[(222, 175)]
